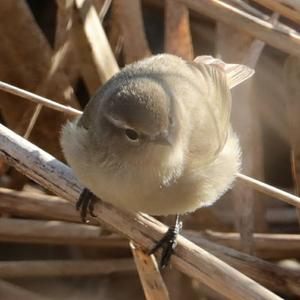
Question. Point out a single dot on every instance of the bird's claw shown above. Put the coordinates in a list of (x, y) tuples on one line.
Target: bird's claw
[(168, 243), (85, 204)]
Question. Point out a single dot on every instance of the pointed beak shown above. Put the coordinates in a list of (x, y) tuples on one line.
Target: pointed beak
[(164, 139)]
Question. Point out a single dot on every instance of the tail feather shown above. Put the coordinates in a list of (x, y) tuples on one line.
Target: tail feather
[(236, 73)]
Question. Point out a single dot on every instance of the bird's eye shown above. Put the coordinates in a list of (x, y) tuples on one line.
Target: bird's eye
[(132, 135)]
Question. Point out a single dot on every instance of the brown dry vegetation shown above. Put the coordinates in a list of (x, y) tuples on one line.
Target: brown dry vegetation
[(66, 49)]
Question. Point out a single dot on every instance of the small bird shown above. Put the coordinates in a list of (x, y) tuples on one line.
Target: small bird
[(156, 138)]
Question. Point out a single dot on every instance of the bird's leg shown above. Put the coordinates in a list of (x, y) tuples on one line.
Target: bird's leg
[(168, 243), (85, 204)]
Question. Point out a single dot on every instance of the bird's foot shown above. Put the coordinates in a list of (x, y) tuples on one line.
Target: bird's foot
[(168, 244), (85, 204)]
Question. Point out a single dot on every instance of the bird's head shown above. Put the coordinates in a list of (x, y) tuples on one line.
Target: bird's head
[(139, 114), (135, 123)]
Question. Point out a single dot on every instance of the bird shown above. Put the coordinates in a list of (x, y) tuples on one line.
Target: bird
[(156, 138)]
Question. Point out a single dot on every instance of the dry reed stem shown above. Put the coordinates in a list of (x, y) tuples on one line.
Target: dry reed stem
[(270, 275), (269, 190), (101, 52), (282, 9), (257, 13), (38, 99), (255, 50), (278, 215), (152, 282), (248, 9), (95, 58), (292, 92), (33, 120), (13, 292), (129, 19), (115, 37), (37, 205), (292, 3), (264, 242), (82, 49), (63, 22), (64, 42), (102, 8), (57, 233), (64, 268), (285, 41), (178, 39), (140, 228)]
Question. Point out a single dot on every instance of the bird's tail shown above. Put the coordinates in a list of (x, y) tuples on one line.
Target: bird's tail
[(236, 73)]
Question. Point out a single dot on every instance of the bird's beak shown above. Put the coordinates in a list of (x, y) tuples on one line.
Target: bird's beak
[(164, 139)]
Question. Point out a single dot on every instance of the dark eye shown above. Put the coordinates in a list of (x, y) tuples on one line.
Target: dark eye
[(132, 134)]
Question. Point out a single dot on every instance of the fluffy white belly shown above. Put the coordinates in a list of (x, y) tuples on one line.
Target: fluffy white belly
[(196, 187)]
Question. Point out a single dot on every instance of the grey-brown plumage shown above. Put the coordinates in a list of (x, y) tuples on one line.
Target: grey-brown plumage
[(156, 137)]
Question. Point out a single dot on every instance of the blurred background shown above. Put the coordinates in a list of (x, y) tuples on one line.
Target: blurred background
[(58, 49)]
